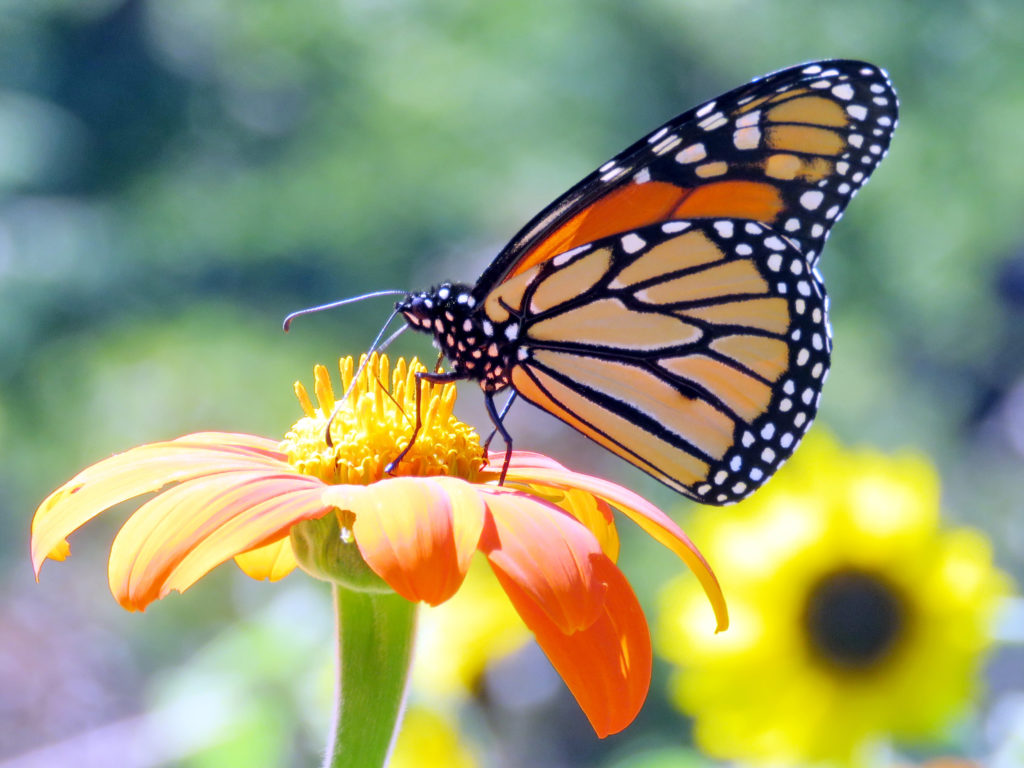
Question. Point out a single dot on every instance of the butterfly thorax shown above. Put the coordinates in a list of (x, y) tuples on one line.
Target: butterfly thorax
[(477, 348)]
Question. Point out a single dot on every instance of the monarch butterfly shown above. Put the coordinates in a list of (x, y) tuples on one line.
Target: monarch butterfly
[(668, 306)]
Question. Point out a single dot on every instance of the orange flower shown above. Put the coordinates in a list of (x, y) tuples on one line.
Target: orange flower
[(547, 533)]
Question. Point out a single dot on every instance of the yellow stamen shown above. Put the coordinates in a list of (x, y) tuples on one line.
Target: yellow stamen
[(374, 424)]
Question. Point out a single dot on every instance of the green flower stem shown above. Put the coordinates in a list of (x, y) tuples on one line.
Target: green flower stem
[(375, 636)]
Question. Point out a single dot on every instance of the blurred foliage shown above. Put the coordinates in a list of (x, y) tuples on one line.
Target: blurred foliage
[(177, 175)]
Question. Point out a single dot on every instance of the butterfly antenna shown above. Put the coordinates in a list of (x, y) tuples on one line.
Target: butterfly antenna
[(332, 305)]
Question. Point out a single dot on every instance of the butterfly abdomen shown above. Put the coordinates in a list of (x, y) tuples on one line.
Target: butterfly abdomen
[(477, 347)]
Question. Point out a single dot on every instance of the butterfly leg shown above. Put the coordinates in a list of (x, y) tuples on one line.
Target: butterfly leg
[(501, 418), (496, 419), (433, 378)]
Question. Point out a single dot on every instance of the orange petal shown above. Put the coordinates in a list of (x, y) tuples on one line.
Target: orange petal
[(142, 470), (177, 537), (607, 666), (547, 554), (418, 534), (272, 561), (651, 519)]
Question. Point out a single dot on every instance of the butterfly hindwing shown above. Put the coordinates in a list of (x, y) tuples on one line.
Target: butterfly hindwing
[(790, 150), (694, 349)]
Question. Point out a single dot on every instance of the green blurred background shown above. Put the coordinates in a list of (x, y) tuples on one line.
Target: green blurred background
[(176, 176)]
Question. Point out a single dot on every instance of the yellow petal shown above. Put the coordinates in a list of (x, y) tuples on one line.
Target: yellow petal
[(177, 537), (272, 561), (142, 470)]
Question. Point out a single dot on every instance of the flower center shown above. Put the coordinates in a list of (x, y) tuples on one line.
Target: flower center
[(854, 618), (375, 422)]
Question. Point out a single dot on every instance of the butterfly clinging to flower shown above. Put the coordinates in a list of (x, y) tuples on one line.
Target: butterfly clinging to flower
[(668, 306)]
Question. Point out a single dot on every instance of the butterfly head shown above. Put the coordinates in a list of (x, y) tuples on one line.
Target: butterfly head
[(477, 348)]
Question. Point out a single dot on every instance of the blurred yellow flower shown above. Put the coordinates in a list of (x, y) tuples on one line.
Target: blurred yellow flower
[(458, 639), (855, 617), (429, 739)]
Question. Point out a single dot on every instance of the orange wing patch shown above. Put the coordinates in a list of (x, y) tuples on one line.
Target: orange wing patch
[(626, 208)]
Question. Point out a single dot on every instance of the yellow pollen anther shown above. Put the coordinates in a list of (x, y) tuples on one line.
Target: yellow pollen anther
[(374, 424)]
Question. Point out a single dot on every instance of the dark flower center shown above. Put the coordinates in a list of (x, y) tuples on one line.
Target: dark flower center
[(853, 618)]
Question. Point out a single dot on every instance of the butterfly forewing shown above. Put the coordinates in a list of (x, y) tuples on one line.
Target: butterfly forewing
[(694, 349), (789, 150)]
